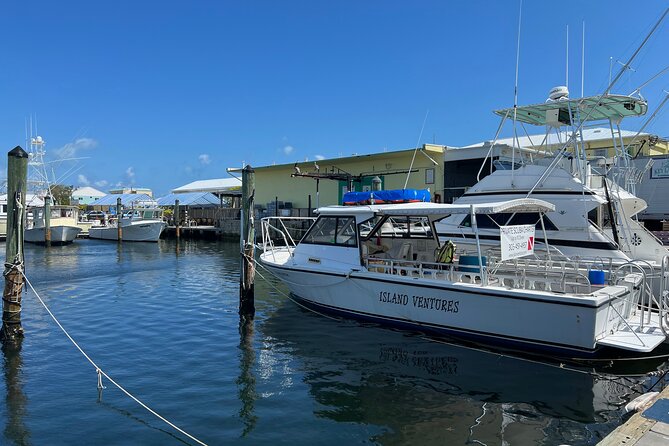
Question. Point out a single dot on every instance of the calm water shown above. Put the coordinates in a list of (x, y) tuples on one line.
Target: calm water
[(163, 323)]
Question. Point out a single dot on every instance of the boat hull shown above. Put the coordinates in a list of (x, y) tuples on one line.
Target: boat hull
[(567, 326), (59, 234), (135, 232)]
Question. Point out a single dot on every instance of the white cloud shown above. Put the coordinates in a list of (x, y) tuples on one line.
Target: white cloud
[(130, 175), (204, 159), (71, 149), (319, 157), (83, 180), (288, 150), (101, 183)]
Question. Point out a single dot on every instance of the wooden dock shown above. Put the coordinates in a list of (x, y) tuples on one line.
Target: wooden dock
[(200, 232), (648, 427)]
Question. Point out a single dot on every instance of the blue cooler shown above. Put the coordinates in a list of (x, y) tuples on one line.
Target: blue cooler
[(596, 277), (470, 264)]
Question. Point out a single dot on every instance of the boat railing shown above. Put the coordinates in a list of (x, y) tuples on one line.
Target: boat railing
[(528, 277), (279, 231), (425, 270)]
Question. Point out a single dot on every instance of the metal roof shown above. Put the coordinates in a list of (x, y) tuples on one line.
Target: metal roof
[(126, 200), (190, 199), (226, 185), (594, 108), (87, 191), (589, 135)]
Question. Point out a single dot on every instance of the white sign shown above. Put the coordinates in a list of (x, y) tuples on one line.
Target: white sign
[(517, 241)]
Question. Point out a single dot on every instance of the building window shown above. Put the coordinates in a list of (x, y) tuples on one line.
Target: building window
[(429, 176)]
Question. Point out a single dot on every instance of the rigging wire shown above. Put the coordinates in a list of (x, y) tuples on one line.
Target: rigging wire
[(413, 158)]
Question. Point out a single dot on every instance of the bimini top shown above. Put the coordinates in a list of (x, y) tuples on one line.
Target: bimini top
[(593, 108), (520, 205)]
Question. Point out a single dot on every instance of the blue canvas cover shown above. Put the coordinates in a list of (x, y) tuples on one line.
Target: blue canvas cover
[(386, 196)]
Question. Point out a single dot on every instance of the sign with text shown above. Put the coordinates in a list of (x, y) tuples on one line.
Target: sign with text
[(517, 241), (660, 169)]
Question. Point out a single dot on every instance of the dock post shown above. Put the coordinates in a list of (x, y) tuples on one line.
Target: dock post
[(47, 220), (247, 245), (119, 214), (17, 172), (176, 219)]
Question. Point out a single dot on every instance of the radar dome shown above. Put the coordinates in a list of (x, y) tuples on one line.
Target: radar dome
[(558, 93)]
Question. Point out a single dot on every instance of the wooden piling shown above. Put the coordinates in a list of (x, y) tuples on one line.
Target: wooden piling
[(247, 245), (47, 220), (119, 214), (176, 219), (17, 170)]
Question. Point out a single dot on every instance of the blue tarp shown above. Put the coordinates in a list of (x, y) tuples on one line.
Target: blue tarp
[(203, 199), (386, 196)]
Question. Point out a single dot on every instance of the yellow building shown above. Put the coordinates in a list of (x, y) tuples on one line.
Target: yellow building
[(323, 182)]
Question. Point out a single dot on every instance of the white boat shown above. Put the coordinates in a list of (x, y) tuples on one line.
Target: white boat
[(62, 223), (137, 225), (349, 264), (595, 219)]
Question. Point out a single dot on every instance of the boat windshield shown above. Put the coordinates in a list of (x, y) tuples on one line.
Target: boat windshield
[(329, 230)]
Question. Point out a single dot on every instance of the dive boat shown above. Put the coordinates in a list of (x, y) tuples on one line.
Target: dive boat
[(62, 223), (383, 263), (137, 225)]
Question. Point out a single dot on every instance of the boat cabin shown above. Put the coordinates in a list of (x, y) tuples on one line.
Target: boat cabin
[(348, 237)]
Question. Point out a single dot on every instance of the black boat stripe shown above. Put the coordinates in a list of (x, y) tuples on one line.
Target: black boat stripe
[(555, 242), (536, 192)]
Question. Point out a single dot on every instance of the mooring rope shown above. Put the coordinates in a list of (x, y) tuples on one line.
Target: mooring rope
[(101, 372), (477, 421)]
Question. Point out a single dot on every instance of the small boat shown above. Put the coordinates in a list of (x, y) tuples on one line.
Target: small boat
[(137, 225), (62, 223), (380, 263)]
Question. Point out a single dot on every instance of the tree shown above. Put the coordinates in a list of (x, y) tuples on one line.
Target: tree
[(62, 194)]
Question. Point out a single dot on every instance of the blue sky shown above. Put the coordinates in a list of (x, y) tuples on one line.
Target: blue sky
[(160, 93)]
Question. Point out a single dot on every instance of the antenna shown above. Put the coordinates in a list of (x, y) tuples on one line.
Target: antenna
[(566, 75), (515, 93), (413, 158), (583, 60)]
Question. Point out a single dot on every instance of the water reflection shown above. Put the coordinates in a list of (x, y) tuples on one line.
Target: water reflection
[(427, 393), (246, 382), (15, 401)]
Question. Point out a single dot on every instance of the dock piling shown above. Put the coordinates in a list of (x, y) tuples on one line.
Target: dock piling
[(47, 220), (119, 214), (17, 171), (176, 219), (247, 245)]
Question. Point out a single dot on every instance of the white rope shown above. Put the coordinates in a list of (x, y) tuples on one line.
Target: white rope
[(100, 372), (477, 422)]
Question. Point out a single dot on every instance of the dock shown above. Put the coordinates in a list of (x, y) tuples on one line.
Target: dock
[(201, 232), (647, 427)]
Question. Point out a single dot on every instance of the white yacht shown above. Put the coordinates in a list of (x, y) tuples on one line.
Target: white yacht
[(349, 263), (62, 223), (137, 225), (595, 213)]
